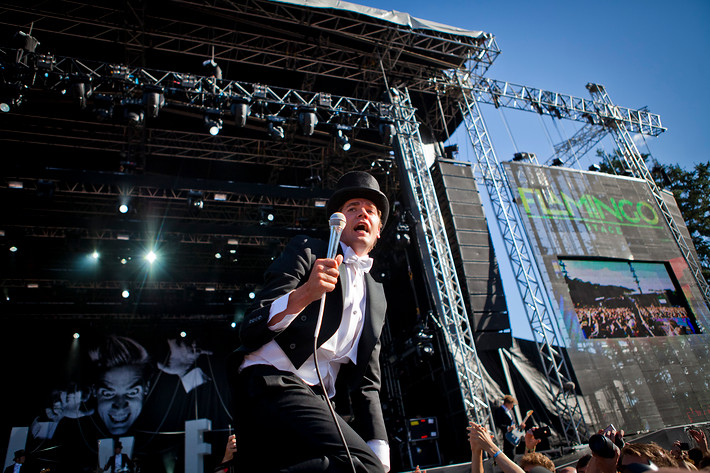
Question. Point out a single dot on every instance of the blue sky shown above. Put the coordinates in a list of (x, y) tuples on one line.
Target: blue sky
[(646, 53)]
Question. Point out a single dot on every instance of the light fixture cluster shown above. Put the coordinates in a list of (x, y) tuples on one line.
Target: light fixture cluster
[(115, 92)]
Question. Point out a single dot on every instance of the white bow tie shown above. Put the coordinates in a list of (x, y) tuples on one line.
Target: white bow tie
[(363, 263)]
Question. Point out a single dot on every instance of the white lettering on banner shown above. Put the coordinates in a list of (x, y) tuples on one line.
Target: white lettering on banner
[(195, 446)]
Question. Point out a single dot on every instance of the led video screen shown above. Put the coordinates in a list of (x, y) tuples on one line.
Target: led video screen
[(631, 315), (619, 299)]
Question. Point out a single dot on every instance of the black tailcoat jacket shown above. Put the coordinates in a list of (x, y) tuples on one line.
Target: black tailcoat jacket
[(285, 274)]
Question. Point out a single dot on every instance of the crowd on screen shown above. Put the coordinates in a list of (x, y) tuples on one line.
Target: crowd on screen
[(622, 322)]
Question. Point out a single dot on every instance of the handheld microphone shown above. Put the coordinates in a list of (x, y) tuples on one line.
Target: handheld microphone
[(337, 224)]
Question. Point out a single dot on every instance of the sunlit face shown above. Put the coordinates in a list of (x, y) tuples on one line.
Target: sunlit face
[(362, 226), (119, 395)]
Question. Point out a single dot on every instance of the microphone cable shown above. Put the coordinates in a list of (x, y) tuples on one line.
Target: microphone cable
[(337, 223)]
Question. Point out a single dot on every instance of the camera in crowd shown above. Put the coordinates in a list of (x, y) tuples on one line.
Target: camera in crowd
[(541, 432)]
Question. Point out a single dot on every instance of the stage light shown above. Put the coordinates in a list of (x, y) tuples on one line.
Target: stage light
[(95, 255), (342, 140), (557, 162), (195, 201), (15, 184), (218, 255), (241, 110), (13, 249), (76, 335), (123, 208), (183, 334), (150, 257), (387, 131), (595, 168), (126, 294), (275, 131), (124, 260), (10, 96), (153, 99), (308, 120), (133, 111), (220, 197), (266, 216), (211, 69), (252, 295), (81, 89), (213, 124), (523, 156), (233, 324)]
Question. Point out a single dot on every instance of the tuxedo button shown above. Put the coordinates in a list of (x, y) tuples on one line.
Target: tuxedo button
[(304, 318), (292, 346)]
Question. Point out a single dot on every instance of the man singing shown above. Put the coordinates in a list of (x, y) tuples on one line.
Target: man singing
[(283, 421)]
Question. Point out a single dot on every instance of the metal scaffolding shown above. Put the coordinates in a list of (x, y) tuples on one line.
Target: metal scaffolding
[(438, 260)]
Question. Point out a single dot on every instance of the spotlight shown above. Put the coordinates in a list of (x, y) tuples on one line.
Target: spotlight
[(13, 249), (275, 131), (266, 216), (95, 255), (523, 156), (241, 110), (153, 99), (387, 131), (150, 257), (212, 69), (195, 201), (10, 96), (76, 335), (252, 295), (342, 140), (123, 208), (233, 324), (126, 294), (183, 334), (218, 255), (308, 120), (133, 111), (213, 124), (81, 89)]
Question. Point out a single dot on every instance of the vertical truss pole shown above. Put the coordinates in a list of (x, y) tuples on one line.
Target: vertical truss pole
[(531, 289), (632, 157), (438, 260)]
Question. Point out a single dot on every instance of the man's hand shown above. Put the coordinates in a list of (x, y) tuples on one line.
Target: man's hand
[(323, 278)]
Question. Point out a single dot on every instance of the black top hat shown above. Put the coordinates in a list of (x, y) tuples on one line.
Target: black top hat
[(18, 454), (358, 184)]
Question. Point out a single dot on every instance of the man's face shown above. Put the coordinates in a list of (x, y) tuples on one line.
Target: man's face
[(119, 397), (362, 227)]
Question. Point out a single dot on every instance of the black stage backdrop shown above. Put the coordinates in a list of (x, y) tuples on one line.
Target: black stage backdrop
[(129, 380)]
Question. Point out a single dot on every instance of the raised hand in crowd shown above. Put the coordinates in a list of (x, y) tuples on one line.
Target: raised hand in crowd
[(530, 441), (482, 441), (605, 453), (700, 440)]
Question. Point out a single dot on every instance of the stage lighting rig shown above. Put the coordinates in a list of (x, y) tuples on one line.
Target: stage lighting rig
[(195, 201), (133, 111), (81, 89)]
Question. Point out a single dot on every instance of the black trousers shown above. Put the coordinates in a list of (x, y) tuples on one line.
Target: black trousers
[(284, 425)]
